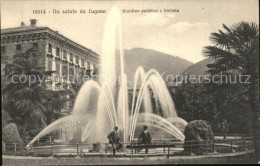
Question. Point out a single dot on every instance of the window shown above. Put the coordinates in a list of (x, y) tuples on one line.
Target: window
[(71, 57), (18, 47), (65, 55), (50, 48), (94, 70), (64, 71), (71, 71), (57, 51), (35, 46), (83, 61), (35, 62), (77, 60), (76, 71), (49, 65), (88, 63), (3, 49), (58, 68)]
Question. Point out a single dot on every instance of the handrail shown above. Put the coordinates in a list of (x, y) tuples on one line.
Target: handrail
[(177, 143), (77, 149)]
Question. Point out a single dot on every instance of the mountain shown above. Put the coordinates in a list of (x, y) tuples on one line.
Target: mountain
[(198, 68), (165, 64)]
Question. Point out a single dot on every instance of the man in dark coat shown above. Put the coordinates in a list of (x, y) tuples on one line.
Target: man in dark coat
[(145, 138), (115, 140)]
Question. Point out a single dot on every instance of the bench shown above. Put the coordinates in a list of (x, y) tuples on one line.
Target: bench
[(143, 146), (226, 145)]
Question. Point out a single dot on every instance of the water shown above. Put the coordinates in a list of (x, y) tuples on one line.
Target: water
[(100, 106)]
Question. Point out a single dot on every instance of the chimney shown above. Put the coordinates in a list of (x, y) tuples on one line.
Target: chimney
[(22, 24), (33, 22)]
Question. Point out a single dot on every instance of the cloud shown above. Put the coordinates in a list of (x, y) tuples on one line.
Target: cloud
[(181, 27), (171, 15), (153, 19), (183, 39)]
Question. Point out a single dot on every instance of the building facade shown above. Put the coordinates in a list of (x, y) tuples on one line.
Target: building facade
[(56, 53)]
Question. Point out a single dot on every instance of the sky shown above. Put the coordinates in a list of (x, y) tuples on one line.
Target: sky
[(183, 34)]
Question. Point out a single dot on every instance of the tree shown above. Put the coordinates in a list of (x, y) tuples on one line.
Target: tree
[(27, 100), (237, 51), (192, 102), (203, 101), (22, 95)]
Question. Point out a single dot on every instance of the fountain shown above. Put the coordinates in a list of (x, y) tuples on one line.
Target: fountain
[(100, 106)]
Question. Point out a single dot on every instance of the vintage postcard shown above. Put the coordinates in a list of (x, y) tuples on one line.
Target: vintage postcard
[(130, 82)]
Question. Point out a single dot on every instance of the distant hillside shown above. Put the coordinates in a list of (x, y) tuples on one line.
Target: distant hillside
[(198, 68), (151, 59)]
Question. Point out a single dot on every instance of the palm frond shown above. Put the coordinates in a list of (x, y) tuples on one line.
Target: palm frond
[(24, 106)]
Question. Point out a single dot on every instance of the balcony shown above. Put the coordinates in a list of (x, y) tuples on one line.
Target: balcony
[(65, 61), (35, 47), (57, 54), (57, 58), (83, 68), (18, 51), (49, 55), (71, 63), (4, 58)]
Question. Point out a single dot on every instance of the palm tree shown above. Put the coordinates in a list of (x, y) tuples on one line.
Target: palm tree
[(23, 99), (237, 51)]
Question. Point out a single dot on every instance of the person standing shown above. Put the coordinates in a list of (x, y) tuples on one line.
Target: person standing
[(115, 140), (145, 138), (224, 126)]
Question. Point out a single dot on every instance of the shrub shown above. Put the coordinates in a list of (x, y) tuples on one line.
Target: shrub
[(97, 147), (11, 134), (5, 118), (198, 137)]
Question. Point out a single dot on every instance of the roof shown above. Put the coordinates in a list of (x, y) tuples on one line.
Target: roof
[(35, 28), (21, 29)]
